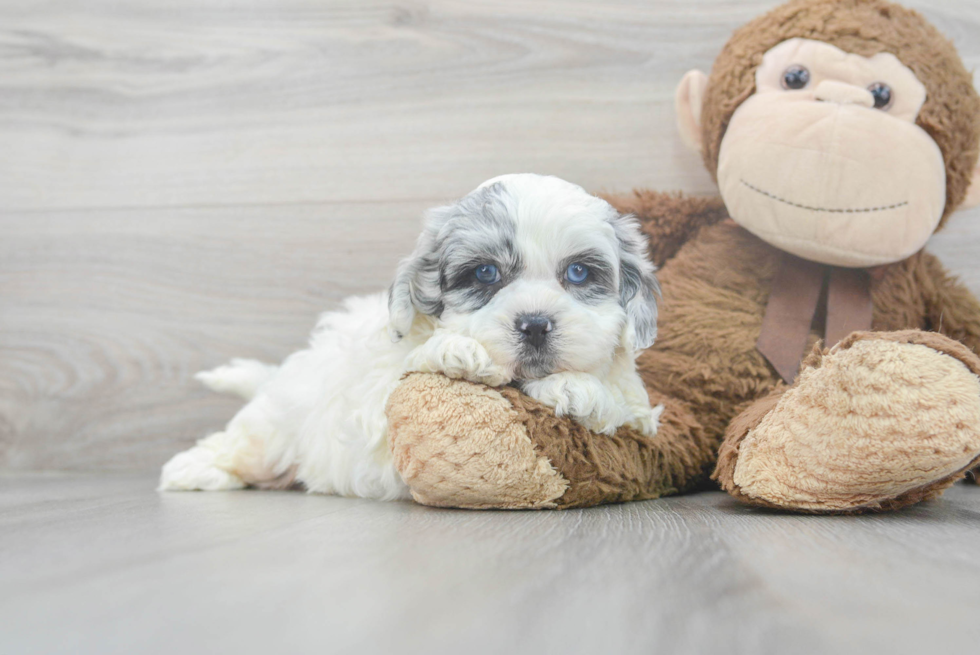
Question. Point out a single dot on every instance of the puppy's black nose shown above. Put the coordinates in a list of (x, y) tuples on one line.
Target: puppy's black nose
[(534, 329)]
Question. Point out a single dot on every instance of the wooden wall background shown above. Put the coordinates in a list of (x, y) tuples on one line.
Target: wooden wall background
[(183, 181)]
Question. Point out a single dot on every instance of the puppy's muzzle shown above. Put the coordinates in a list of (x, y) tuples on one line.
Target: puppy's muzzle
[(534, 329)]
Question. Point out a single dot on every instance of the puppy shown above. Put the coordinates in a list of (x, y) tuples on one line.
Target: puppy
[(528, 280)]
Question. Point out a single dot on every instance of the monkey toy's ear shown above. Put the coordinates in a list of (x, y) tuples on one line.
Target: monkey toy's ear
[(687, 103), (972, 198)]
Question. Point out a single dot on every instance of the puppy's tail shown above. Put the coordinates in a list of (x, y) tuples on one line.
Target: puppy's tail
[(241, 377)]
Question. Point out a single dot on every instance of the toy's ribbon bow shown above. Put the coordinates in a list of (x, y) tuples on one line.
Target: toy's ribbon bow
[(794, 303)]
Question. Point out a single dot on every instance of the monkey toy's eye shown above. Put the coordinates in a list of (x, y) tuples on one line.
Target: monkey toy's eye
[(795, 78), (577, 273), (487, 274), (882, 94)]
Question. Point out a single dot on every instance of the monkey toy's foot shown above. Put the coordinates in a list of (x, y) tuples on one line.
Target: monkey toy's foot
[(459, 444), (878, 422)]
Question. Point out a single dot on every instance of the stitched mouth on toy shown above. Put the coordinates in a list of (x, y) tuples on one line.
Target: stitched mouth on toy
[(858, 210)]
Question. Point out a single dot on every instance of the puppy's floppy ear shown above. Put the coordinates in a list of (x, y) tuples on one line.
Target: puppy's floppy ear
[(638, 286), (416, 288)]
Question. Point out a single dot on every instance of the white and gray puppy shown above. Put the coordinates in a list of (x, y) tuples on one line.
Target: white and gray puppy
[(527, 280)]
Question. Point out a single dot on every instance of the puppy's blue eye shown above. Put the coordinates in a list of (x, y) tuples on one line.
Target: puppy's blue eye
[(487, 273), (577, 273)]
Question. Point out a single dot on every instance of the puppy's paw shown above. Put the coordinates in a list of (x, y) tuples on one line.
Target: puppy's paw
[(647, 420), (458, 357), (581, 396), (195, 470)]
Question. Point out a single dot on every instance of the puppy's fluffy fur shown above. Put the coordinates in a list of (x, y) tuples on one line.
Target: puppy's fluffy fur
[(527, 280)]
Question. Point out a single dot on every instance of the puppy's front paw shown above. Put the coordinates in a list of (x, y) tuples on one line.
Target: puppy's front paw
[(581, 396), (647, 420), (459, 357)]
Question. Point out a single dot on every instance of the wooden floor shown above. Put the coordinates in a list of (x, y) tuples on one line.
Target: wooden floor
[(185, 181), (105, 565)]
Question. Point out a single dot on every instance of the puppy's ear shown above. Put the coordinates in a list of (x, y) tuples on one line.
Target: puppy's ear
[(638, 286), (416, 288)]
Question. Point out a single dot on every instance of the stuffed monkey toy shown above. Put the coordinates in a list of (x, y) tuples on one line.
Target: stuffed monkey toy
[(811, 356)]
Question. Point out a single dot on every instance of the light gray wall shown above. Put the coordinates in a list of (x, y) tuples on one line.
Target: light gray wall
[(184, 181)]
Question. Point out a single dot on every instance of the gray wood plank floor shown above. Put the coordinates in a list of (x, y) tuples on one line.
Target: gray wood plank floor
[(185, 181), (106, 565)]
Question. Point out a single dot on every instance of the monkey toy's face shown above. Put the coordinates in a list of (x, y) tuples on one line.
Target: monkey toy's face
[(825, 160)]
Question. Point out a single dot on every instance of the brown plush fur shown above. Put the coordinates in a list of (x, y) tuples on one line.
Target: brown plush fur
[(716, 278), (951, 114), (626, 466), (669, 219)]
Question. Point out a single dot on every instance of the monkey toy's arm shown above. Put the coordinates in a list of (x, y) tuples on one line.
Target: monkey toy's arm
[(669, 220), (951, 309)]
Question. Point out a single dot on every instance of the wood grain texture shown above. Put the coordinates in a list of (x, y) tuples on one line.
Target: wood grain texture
[(106, 565), (190, 180)]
